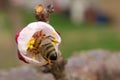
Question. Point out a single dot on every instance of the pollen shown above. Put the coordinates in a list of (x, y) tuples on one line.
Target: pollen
[(31, 46), (30, 43), (53, 43), (55, 40), (39, 9), (53, 32)]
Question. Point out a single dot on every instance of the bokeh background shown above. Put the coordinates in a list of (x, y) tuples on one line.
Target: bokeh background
[(83, 24)]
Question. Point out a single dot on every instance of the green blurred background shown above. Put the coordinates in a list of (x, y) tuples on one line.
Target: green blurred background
[(77, 34)]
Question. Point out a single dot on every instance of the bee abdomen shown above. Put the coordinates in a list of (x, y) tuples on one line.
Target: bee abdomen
[(48, 49)]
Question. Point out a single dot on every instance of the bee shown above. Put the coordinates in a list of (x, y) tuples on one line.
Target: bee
[(47, 50)]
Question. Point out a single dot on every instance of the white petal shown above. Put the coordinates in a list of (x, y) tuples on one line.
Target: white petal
[(26, 34)]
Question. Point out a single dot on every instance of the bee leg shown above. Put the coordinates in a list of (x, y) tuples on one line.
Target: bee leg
[(50, 37), (53, 39)]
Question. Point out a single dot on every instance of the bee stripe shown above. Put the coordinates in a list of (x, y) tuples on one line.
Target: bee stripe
[(46, 44), (48, 47), (49, 52)]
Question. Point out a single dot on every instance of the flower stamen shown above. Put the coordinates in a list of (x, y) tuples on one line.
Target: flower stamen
[(30, 43)]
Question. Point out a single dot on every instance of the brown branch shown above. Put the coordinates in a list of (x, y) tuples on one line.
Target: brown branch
[(57, 69)]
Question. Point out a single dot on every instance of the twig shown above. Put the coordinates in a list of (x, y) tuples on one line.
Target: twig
[(57, 69), (42, 14)]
